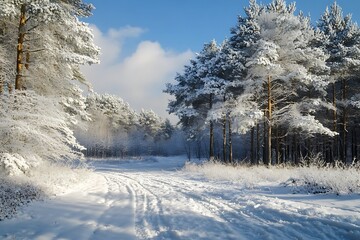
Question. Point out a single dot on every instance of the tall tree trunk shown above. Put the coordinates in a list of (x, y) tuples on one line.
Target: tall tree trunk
[(257, 143), (344, 123), (20, 49), (296, 151), (335, 143), (2, 79), (230, 142), (269, 120), (224, 138), (252, 136), (264, 139), (211, 147), (277, 146)]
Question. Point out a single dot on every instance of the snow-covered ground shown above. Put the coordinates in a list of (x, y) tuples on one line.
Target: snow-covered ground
[(157, 198)]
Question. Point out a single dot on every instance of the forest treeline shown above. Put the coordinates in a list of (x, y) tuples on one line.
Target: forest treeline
[(278, 90), (290, 88)]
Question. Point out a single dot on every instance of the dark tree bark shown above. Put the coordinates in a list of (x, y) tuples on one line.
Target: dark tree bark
[(230, 142), (211, 147)]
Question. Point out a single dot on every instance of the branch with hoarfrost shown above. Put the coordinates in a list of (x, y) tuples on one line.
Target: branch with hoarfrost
[(36, 128), (306, 123)]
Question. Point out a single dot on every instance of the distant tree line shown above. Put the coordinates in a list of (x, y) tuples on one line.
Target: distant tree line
[(116, 130), (290, 89)]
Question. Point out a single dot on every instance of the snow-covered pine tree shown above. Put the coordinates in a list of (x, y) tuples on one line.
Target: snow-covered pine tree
[(245, 33), (290, 70), (223, 70), (199, 88), (188, 106), (342, 44), (46, 43)]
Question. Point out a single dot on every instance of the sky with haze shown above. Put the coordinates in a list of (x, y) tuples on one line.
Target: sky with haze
[(145, 42)]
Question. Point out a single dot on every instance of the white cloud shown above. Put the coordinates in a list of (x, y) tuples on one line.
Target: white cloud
[(111, 43), (139, 78)]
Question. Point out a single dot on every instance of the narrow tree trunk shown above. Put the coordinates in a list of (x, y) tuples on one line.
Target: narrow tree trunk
[(211, 147), (335, 145), (264, 157), (295, 150), (344, 124), (20, 50), (257, 143), (252, 136), (2, 79), (277, 146), (224, 138), (230, 142), (269, 127)]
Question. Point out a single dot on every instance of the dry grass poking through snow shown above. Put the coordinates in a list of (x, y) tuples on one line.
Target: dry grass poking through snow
[(311, 179)]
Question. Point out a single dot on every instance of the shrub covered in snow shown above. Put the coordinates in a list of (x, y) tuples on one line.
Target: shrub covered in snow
[(13, 164)]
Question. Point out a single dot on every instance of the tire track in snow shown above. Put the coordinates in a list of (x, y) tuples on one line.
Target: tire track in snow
[(195, 203), (113, 220), (149, 222), (260, 215)]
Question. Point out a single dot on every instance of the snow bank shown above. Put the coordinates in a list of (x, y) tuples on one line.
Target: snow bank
[(301, 180), (38, 183)]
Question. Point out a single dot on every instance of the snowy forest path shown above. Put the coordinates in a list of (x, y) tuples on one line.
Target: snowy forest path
[(173, 204), (154, 199)]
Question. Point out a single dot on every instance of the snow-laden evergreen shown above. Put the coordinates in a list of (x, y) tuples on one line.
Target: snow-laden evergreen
[(276, 79), (40, 57), (342, 44)]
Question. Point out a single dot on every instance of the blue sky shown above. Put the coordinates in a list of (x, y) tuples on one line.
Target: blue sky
[(145, 42)]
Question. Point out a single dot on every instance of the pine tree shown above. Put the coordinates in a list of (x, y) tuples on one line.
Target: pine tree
[(45, 45), (287, 69), (342, 43)]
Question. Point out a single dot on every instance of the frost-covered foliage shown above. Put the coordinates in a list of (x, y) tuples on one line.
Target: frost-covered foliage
[(285, 55), (57, 43), (13, 164), (34, 129)]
